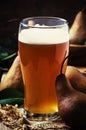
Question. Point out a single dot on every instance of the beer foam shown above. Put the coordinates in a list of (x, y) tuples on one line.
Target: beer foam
[(43, 36)]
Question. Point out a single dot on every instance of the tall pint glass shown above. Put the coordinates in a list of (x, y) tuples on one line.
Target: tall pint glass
[(43, 45)]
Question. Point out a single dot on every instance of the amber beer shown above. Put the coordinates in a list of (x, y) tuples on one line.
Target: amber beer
[(41, 59)]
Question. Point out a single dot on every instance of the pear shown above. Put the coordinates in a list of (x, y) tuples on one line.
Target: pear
[(77, 78), (13, 78), (77, 31), (71, 103)]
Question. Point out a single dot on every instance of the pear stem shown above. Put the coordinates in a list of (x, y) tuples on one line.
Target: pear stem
[(63, 63)]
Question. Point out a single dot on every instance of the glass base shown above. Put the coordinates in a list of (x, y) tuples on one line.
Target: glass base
[(40, 117), (44, 121)]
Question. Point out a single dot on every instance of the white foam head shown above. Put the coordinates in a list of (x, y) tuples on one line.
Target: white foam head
[(43, 35)]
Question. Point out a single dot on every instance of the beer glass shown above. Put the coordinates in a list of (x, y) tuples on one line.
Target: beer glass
[(43, 45)]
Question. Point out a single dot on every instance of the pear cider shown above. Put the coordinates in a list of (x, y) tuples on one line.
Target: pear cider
[(42, 51)]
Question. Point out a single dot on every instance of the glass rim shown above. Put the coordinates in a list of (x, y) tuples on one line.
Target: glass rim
[(44, 17)]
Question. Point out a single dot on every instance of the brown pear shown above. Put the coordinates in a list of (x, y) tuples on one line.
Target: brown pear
[(78, 28), (77, 78), (71, 103), (13, 78)]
